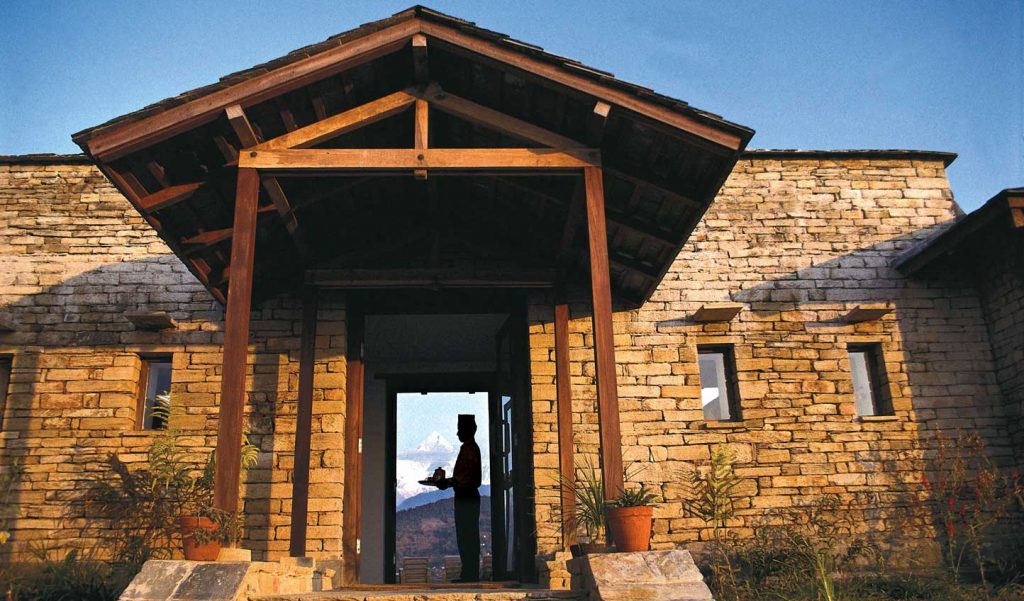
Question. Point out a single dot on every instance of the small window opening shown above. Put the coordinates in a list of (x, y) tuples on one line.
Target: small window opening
[(5, 380), (870, 384), (155, 385), (718, 383)]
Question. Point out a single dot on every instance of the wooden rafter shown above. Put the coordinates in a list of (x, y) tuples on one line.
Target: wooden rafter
[(116, 142), (449, 159), (464, 43), (574, 217), (340, 124), (490, 118), (168, 197), (206, 239)]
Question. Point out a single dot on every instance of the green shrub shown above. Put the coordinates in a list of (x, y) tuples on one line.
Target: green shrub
[(67, 579)]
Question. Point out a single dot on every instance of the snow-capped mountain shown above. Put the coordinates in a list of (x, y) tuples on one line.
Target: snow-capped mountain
[(416, 464)]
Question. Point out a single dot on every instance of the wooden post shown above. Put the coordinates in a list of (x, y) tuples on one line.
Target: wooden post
[(563, 392), (236, 343), (303, 424), (353, 495), (604, 336)]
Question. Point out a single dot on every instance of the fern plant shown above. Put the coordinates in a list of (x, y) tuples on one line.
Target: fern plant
[(588, 489)]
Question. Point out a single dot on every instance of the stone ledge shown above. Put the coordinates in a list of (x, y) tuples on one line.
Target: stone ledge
[(649, 576)]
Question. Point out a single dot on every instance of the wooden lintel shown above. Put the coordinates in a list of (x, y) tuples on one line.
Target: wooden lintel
[(430, 278), (168, 197), (596, 123), (421, 68), (446, 159), (342, 123), (496, 120)]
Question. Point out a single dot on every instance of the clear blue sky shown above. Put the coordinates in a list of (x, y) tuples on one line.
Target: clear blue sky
[(933, 75)]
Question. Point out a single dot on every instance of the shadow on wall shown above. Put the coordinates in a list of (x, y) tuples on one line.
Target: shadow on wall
[(937, 355), (74, 388)]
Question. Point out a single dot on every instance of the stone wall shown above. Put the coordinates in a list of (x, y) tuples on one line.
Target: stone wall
[(74, 257), (799, 243)]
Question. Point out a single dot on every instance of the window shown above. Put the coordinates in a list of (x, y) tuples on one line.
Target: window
[(718, 383), (870, 385), (5, 380), (156, 380)]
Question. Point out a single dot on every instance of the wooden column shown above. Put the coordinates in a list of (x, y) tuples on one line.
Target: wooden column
[(604, 342), (303, 424), (353, 496), (563, 391), (236, 343)]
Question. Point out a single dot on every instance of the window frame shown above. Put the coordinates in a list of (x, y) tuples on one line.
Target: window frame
[(732, 388), (146, 360), (877, 375)]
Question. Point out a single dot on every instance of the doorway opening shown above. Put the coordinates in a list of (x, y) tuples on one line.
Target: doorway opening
[(421, 372)]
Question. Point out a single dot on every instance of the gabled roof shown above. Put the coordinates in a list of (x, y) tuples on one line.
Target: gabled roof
[(663, 160), (1004, 211)]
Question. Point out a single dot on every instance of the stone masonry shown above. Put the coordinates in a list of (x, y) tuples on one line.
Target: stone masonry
[(798, 241)]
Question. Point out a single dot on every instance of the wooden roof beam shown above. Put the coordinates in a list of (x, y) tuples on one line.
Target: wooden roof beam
[(421, 68), (205, 240), (496, 120), (119, 140), (421, 133), (340, 124), (431, 278), (636, 181), (725, 136), (168, 197), (247, 139), (402, 159), (574, 217)]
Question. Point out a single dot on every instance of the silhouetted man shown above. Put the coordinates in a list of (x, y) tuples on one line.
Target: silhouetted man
[(465, 481)]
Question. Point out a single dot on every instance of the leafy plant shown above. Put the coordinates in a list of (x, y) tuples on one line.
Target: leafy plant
[(710, 496), (8, 508), (144, 504), (971, 495), (70, 578), (588, 489), (635, 497)]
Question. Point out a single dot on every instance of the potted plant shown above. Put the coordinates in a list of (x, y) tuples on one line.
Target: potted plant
[(629, 519), (171, 497), (588, 519)]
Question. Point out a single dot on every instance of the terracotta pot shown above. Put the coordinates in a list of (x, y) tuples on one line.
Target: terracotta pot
[(193, 550), (630, 527)]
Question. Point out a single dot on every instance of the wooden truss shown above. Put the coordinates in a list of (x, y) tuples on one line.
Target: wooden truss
[(262, 162)]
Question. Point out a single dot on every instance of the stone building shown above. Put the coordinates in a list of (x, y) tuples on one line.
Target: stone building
[(821, 314)]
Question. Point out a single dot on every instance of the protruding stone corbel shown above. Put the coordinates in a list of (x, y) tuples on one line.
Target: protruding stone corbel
[(152, 321), (871, 312), (717, 312)]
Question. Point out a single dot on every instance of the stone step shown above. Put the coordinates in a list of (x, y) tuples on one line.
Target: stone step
[(431, 594)]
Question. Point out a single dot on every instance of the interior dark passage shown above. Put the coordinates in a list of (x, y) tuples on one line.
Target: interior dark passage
[(417, 367)]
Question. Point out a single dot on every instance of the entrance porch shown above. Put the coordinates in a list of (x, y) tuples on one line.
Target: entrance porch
[(421, 165)]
